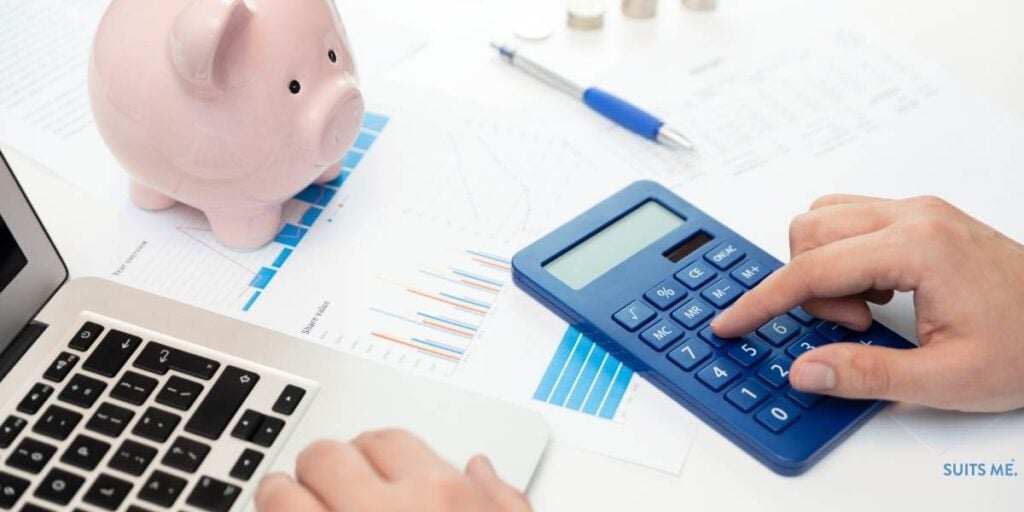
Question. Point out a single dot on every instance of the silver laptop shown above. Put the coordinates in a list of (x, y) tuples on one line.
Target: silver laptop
[(115, 399)]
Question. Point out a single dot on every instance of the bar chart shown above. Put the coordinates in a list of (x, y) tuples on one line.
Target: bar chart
[(584, 377)]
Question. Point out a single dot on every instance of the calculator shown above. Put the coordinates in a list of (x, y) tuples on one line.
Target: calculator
[(643, 273)]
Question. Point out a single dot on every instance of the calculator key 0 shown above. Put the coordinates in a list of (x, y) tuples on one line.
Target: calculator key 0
[(779, 330), (802, 316), (10, 429), (85, 336), (57, 422), (696, 275), (751, 273), (60, 367), (59, 486), (832, 331), (709, 336), (777, 415), (747, 395), (112, 353), (689, 354), (222, 402), (692, 313), (107, 492), (634, 315), (806, 400), (666, 294), (289, 399), (110, 419), (719, 373), (724, 255), (35, 398), (662, 334), (748, 351), (805, 344), (776, 371), (11, 489), (723, 292)]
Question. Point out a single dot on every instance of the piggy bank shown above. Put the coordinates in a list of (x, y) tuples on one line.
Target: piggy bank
[(229, 106)]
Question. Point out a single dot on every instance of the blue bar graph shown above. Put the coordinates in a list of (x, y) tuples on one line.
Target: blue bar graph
[(283, 257), (309, 218), (584, 377), (263, 278), (316, 194)]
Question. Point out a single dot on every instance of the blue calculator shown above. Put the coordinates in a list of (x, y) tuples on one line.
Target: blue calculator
[(642, 274)]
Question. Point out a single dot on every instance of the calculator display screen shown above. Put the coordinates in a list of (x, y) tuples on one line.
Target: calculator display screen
[(614, 244)]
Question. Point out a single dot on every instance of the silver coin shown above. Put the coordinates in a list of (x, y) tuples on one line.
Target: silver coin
[(640, 9), (586, 14), (700, 5), (534, 28)]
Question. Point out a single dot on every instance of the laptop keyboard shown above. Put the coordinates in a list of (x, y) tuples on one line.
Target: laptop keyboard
[(118, 421)]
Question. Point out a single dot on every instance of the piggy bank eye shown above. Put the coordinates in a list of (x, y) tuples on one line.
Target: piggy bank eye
[(331, 55), (294, 86)]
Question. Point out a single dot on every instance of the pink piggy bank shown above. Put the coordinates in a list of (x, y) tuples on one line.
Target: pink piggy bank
[(229, 106)]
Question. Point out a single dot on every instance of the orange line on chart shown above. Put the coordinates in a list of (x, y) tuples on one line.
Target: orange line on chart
[(492, 264), (478, 285), (446, 301), (449, 329), (410, 345)]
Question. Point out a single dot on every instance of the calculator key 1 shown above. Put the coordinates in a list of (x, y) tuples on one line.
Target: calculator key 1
[(696, 275), (719, 373), (709, 336), (748, 351), (751, 273), (805, 344), (778, 415), (690, 354), (723, 292), (779, 330), (832, 331), (693, 313), (747, 395), (802, 316), (85, 336), (776, 371), (634, 315), (666, 294), (213, 495), (724, 255), (806, 400), (662, 334)]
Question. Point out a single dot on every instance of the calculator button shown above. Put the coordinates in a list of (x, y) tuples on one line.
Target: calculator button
[(719, 373), (709, 336), (724, 255), (696, 275), (778, 415), (748, 351), (723, 292), (662, 334), (750, 273), (692, 313), (803, 316), (832, 331), (666, 294), (690, 354), (806, 344), (871, 339), (806, 400), (776, 371), (779, 330), (634, 315), (747, 395)]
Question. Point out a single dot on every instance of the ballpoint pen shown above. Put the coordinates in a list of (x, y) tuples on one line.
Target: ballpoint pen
[(616, 109)]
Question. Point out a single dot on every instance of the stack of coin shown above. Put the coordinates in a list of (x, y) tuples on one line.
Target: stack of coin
[(640, 9), (586, 14), (699, 5)]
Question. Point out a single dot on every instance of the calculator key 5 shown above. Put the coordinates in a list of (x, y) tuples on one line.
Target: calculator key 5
[(634, 315)]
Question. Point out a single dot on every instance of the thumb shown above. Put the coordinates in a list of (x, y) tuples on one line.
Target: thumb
[(505, 497)]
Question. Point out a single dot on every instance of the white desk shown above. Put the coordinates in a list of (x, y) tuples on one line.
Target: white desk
[(882, 466)]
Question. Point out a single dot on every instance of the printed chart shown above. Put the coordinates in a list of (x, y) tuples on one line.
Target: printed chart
[(584, 377)]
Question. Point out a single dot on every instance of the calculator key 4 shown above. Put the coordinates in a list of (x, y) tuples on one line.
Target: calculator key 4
[(692, 313), (778, 415), (750, 273), (696, 275), (776, 371), (666, 294), (690, 354), (723, 292), (748, 351), (724, 255), (779, 330), (634, 315), (747, 395), (719, 373), (662, 334)]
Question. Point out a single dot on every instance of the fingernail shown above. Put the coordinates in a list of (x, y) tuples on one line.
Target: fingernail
[(815, 377), (486, 463)]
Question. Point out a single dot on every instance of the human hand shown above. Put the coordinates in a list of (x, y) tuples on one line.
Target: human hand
[(968, 284), (385, 471)]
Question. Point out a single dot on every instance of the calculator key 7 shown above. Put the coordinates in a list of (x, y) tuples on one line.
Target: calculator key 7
[(634, 315), (690, 354), (779, 330)]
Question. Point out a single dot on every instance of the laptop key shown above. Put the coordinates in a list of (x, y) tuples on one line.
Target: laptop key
[(213, 495), (179, 393), (133, 458), (247, 425), (133, 388), (289, 399), (156, 424), (112, 353), (108, 492), (110, 419), (59, 486), (57, 422), (61, 367), (82, 391), (11, 489), (31, 455), (85, 452), (222, 402), (162, 489), (32, 507), (158, 358), (35, 398), (186, 455), (269, 429), (10, 429), (246, 464), (85, 336)]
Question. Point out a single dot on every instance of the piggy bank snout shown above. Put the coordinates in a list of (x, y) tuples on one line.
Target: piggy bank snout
[(340, 108)]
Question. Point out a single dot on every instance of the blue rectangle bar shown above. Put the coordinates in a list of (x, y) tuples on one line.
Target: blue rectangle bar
[(310, 216), (587, 378), (547, 382), (251, 301), (364, 140), (618, 390), (262, 278), (572, 371), (351, 159), (375, 122), (283, 257), (290, 235), (342, 176), (316, 194), (604, 381)]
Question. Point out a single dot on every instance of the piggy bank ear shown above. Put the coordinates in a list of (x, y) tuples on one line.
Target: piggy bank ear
[(199, 35)]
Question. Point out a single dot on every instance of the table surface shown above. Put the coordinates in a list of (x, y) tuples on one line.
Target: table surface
[(979, 44)]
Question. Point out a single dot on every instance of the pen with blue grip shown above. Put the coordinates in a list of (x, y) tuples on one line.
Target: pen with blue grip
[(619, 111)]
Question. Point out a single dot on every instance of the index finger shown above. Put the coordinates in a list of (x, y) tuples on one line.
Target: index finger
[(839, 269)]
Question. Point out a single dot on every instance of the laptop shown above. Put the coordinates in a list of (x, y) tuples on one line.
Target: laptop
[(115, 399)]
